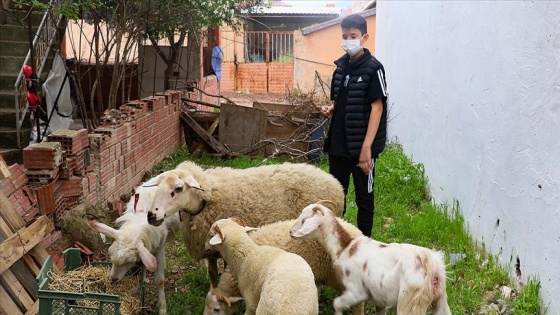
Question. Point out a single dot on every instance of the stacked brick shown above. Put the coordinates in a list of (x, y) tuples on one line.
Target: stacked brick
[(54, 170), (16, 188), (124, 149)]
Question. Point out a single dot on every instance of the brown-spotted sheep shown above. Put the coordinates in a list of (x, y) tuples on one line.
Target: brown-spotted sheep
[(407, 277)]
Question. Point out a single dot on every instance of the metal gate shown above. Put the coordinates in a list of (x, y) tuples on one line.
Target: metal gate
[(262, 61)]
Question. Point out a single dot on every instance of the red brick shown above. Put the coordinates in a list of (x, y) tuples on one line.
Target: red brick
[(44, 155), (45, 194), (71, 187), (72, 141)]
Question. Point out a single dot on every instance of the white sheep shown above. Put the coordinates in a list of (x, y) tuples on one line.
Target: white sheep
[(223, 299), (136, 240), (407, 277), (219, 299), (272, 281), (258, 195)]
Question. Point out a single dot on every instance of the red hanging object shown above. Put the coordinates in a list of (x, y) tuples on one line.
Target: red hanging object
[(27, 71), (33, 99)]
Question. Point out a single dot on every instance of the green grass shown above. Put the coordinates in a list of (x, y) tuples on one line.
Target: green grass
[(404, 213)]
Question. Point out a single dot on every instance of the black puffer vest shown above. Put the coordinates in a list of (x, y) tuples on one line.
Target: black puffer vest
[(358, 108)]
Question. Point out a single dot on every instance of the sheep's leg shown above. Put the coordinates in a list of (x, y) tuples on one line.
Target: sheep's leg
[(213, 269), (380, 310), (440, 306), (159, 277), (346, 300)]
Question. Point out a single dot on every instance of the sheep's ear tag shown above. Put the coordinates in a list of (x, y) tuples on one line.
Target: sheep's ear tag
[(136, 198)]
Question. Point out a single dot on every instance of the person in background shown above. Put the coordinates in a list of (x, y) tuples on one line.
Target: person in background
[(358, 125)]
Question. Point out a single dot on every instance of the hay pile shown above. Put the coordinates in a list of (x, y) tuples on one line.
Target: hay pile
[(98, 280)]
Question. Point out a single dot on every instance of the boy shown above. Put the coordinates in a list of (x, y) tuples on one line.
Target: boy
[(357, 131)]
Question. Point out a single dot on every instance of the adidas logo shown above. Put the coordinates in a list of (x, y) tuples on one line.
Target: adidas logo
[(359, 79)]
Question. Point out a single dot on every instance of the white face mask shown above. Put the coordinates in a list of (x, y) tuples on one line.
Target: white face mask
[(352, 46)]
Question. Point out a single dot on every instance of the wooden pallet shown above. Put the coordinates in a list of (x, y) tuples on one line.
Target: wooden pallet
[(21, 259)]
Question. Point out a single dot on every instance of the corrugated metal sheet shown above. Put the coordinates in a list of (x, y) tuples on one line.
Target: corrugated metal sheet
[(297, 11)]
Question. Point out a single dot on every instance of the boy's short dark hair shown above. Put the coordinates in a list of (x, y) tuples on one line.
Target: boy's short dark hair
[(355, 21)]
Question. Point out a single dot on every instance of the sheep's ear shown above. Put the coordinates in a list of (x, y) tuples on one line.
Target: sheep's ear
[(318, 209), (248, 228), (307, 226), (104, 229), (152, 182), (216, 239), (147, 258), (235, 299), (192, 183)]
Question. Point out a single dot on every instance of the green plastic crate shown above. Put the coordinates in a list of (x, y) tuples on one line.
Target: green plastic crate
[(64, 303)]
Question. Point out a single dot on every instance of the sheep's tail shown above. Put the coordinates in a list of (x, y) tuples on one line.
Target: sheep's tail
[(419, 297)]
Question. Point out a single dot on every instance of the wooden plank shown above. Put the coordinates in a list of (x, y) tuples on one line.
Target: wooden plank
[(8, 306), (4, 171), (15, 222), (15, 290), (213, 126), (32, 265), (34, 309), (23, 241), (24, 276), (241, 127), (209, 139)]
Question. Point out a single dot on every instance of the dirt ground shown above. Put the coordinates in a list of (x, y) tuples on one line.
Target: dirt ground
[(245, 99)]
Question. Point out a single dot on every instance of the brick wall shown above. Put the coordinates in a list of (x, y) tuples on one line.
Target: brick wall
[(122, 153), (253, 77)]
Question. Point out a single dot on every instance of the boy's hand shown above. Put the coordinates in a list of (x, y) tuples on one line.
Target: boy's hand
[(365, 160), (327, 110)]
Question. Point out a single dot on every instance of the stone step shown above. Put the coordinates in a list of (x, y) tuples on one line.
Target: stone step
[(11, 156), (11, 65), (7, 99), (19, 17), (7, 117), (8, 137), (7, 82), (16, 33), (13, 49)]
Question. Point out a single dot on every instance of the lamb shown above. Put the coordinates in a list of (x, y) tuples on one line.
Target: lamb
[(408, 277), (220, 299), (271, 280), (223, 300), (259, 195), (136, 241)]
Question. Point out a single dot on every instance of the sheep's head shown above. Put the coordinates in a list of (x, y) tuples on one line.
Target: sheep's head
[(125, 251), (219, 230), (218, 303), (309, 221), (176, 190)]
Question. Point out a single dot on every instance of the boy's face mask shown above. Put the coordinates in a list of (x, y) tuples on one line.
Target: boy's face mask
[(352, 46)]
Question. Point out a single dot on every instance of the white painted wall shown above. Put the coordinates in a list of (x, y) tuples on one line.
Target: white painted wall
[(475, 96)]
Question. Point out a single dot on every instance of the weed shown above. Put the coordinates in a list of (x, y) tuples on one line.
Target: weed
[(405, 213)]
